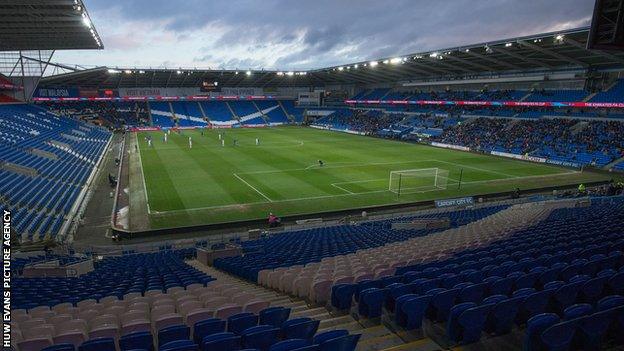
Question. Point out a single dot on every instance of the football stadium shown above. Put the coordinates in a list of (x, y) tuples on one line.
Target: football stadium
[(456, 198)]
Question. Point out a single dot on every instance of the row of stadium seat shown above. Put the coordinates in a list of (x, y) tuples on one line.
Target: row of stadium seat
[(580, 142), (219, 112), (169, 305), (612, 94), (312, 245), (46, 160), (569, 265)]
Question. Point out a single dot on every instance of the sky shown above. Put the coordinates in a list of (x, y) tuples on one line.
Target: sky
[(301, 35)]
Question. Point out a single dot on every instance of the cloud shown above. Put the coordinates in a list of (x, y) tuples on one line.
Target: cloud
[(287, 34)]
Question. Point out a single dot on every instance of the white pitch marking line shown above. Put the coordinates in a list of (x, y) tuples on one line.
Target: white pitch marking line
[(251, 186), (342, 165), (363, 181), (341, 188), (142, 174), (479, 169)]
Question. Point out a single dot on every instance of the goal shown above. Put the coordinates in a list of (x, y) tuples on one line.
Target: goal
[(410, 181)]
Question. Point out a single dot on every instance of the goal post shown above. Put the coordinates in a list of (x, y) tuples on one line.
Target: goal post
[(410, 181)]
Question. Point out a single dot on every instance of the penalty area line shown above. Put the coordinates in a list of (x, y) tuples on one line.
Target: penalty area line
[(341, 188), (252, 187)]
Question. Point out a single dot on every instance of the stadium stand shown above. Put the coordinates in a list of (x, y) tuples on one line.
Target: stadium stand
[(273, 111), (614, 94), (46, 161), (114, 114), (581, 142), (308, 243), (152, 300), (292, 110), (218, 112), (369, 122), (247, 112), (557, 95), (557, 273), (161, 114), (188, 113)]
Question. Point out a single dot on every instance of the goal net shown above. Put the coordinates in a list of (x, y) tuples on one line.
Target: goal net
[(418, 180)]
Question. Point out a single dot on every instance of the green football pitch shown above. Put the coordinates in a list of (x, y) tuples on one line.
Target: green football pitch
[(215, 183)]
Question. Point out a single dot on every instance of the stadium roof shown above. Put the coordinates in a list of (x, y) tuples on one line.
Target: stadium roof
[(46, 25), (556, 51)]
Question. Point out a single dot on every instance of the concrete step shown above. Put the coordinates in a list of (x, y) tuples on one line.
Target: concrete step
[(335, 322), (419, 345), (374, 332), (299, 307), (352, 327), (319, 313), (379, 343)]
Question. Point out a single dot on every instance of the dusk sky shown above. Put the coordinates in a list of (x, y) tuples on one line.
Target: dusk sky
[(298, 35)]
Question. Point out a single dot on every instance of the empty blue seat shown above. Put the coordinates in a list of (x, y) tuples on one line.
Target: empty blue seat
[(221, 342), (442, 302), (371, 302), (473, 293), (592, 329), (577, 310), (501, 286), (534, 304), (503, 314), (616, 283), (102, 344), (528, 280), (396, 290), (173, 333), (289, 345), (260, 337), (343, 343), (332, 334), (342, 295), (138, 340), (300, 328), (239, 322), (411, 309), (59, 347), (178, 345), (592, 289), (453, 328), (536, 325), (472, 322), (274, 316), (559, 337), (565, 296), (609, 302), (207, 327)]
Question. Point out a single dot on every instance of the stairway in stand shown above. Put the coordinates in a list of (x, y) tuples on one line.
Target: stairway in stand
[(376, 337)]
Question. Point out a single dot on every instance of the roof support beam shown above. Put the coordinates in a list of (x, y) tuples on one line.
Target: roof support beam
[(593, 52), (468, 62), (449, 65), (552, 53), (522, 58), (493, 60)]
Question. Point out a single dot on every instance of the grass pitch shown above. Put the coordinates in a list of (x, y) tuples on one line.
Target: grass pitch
[(211, 183)]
